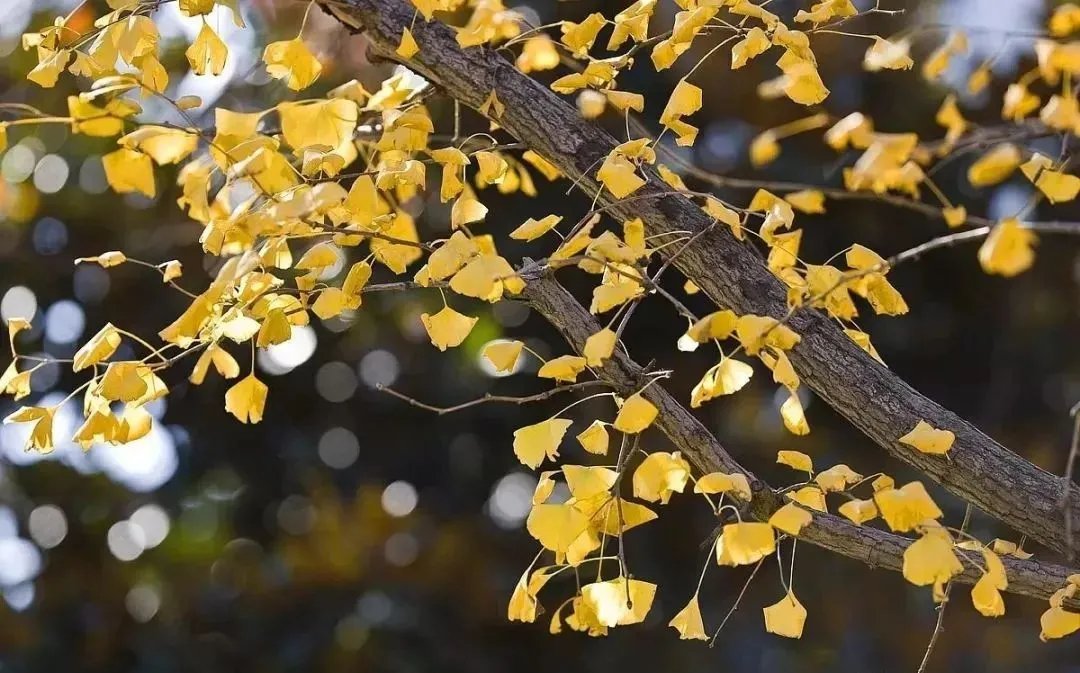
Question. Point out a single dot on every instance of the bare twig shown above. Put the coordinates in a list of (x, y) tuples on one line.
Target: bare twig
[(1067, 478), (938, 626), (488, 397), (738, 599)]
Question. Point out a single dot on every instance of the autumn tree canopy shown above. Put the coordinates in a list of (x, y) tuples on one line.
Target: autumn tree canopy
[(308, 208)]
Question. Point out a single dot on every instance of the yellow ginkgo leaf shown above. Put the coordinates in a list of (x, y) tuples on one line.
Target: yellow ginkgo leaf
[(408, 46), (1057, 186), (538, 53), (466, 210), (41, 435), (745, 543), (625, 100), (994, 166), (928, 439), (635, 415), (594, 438), (938, 62), (328, 123), (685, 100), (586, 482), (754, 44), (688, 622), (163, 145), (811, 201), (906, 507), (660, 475), (447, 328), (134, 424), (1058, 622), (503, 355), (128, 171), (523, 604), (292, 62), (619, 601), (99, 426), (619, 175), (886, 55), (100, 347), (1065, 20), (599, 347), (609, 295), (631, 516), (785, 617), (545, 486), (239, 327), (50, 65), (247, 399), (533, 229), (755, 332), (858, 511), (332, 301), (955, 216), (796, 460), (448, 258), (811, 497), (764, 149), (1009, 548), (124, 381), (837, 478), (491, 168), (715, 208), (487, 277), (727, 377), (931, 559), (986, 598), (534, 443), (720, 482), (275, 329), (225, 364), (556, 526), (564, 368), (207, 54), (15, 383), (790, 519), (1008, 250), (882, 482), (716, 325), (791, 411)]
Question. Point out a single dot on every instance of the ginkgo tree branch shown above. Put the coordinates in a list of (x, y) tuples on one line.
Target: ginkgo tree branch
[(874, 547), (874, 399)]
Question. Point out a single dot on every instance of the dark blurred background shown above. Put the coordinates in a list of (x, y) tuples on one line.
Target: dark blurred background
[(349, 531)]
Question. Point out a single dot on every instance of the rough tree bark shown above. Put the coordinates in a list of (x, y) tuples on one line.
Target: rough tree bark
[(875, 547), (979, 470)]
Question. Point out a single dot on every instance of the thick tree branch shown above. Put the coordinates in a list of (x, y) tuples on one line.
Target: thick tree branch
[(874, 547), (870, 396)]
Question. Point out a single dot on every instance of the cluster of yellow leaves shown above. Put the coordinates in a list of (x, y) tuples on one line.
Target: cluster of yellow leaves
[(575, 528), (933, 559), (263, 196), (132, 384), (799, 79), (262, 211), (764, 337), (1059, 621)]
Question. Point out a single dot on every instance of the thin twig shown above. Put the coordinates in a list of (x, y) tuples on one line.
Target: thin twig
[(941, 608), (624, 569), (488, 397), (738, 599), (1067, 478)]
